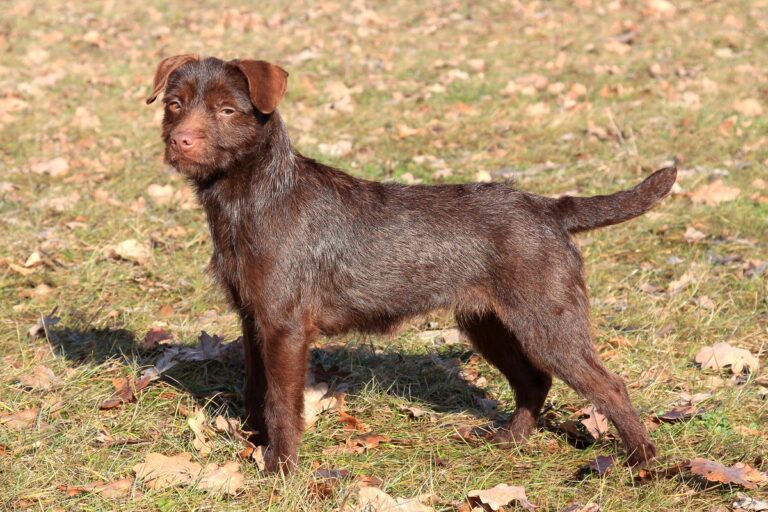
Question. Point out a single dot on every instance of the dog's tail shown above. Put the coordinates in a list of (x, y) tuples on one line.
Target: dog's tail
[(585, 213)]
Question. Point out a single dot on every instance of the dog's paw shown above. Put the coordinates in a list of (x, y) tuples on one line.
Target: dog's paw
[(507, 437), (642, 456)]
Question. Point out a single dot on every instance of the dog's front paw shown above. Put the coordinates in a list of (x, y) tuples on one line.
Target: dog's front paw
[(274, 461), (642, 456)]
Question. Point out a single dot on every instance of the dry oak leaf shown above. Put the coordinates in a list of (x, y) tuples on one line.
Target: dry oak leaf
[(197, 422), (226, 479), (130, 250), (41, 377), (22, 419), (749, 107), (116, 489), (160, 194), (54, 168), (159, 472), (500, 496), (721, 355), (739, 474), (714, 193), (126, 389), (255, 454), (373, 499), (317, 401)]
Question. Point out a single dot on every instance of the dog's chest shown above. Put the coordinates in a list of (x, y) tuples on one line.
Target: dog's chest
[(236, 259)]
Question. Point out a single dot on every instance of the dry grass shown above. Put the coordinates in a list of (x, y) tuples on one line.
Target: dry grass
[(417, 88)]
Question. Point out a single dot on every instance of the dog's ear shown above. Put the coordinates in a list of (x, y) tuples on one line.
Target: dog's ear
[(164, 70), (266, 83)]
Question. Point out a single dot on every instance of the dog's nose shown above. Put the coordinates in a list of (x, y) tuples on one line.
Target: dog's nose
[(183, 140)]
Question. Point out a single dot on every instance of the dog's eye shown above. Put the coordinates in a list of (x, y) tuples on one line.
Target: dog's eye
[(174, 106), (227, 111)]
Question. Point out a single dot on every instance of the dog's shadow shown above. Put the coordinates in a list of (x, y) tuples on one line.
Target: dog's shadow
[(430, 379)]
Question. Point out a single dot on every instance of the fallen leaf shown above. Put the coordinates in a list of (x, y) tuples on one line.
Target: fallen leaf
[(155, 336), (130, 250), (226, 479), (317, 401), (600, 465), (160, 194), (749, 107), (374, 499), (197, 422), (159, 471), (33, 260), (357, 445), (722, 355), (54, 168), (744, 502), (680, 413), (578, 507), (42, 377), (662, 8), (127, 387), (22, 419), (500, 496), (255, 454), (714, 193), (739, 474), (586, 425), (112, 490), (693, 235), (418, 413), (352, 423)]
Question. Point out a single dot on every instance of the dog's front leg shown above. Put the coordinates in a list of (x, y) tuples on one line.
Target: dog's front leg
[(284, 351), (255, 388)]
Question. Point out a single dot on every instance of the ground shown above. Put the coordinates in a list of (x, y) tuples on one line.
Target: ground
[(582, 97)]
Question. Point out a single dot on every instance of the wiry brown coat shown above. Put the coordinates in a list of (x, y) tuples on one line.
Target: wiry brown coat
[(303, 249)]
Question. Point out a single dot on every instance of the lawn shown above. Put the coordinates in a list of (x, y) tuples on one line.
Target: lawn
[(581, 97)]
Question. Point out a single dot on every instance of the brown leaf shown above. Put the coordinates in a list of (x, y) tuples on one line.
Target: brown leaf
[(198, 423), (154, 337), (374, 499), (578, 507), (255, 454), (54, 168), (317, 400), (722, 355), (42, 377), (749, 107), (714, 193), (126, 389), (226, 479), (352, 423), (680, 413), (130, 250), (586, 425), (112, 490), (500, 496), (599, 465), (159, 471), (21, 419), (739, 474)]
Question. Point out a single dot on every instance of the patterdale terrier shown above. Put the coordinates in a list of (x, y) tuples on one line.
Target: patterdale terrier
[(303, 250)]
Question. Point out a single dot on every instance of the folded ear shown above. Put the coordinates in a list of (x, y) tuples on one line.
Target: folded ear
[(164, 70), (266, 83)]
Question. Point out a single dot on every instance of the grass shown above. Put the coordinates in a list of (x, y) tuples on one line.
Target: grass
[(57, 57)]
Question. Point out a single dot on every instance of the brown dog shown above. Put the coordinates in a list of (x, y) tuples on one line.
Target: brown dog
[(303, 249)]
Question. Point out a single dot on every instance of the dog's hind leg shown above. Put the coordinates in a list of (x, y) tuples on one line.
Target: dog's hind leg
[(562, 345), (502, 349)]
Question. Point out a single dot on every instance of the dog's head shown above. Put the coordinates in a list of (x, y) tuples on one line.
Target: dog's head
[(215, 111)]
